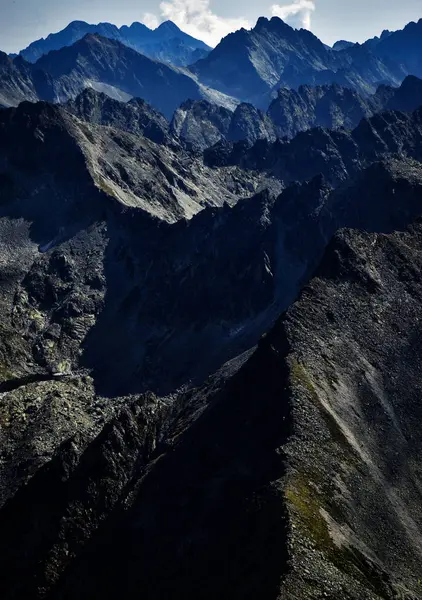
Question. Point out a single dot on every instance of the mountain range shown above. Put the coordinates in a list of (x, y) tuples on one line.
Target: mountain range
[(166, 43), (106, 65), (202, 124), (210, 300), (247, 66)]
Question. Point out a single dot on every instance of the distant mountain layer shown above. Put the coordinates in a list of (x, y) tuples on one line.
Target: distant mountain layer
[(167, 43), (251, 64), (402, 47), (247, 66)]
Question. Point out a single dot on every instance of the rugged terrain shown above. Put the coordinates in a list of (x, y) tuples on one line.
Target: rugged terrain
[(106, 65), (202, 124), (209, 351), (268, 471), (249, 65)]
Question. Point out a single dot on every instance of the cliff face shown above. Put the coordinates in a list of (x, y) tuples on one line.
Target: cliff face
[(21, 81)]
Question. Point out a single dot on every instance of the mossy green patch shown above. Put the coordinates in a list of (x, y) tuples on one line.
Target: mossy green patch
[(299, 376), (5, 373), (305, 502)]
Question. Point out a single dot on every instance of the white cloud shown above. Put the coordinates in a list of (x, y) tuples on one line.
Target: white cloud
[(151, 20), (196, 18), (297, 14)]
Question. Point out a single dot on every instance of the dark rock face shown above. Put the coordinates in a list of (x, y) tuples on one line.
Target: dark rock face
[(135, 116), (21, 81), (234, 521), (408, 96), (250, 124), (167, 43), (403, 47), (249, 64), (325, 106), (336, 154), (200, 123)]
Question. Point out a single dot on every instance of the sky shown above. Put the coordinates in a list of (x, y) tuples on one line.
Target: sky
[(23, 21)]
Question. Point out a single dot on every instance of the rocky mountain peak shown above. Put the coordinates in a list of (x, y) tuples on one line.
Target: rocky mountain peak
[(168, 28)]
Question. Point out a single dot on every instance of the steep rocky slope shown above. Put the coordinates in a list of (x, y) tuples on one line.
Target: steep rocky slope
[(136, 116), (166, 43), (269, 470), (353, 486), (98, 61), (250, 64), (20, 81)]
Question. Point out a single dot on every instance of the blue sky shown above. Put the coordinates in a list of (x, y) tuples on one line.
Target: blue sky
[(23, 21)]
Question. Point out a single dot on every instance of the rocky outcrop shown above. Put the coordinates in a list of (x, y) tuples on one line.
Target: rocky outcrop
[(201, 124), (408, 96), (135, 116), (342, 45), (330, 106)]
